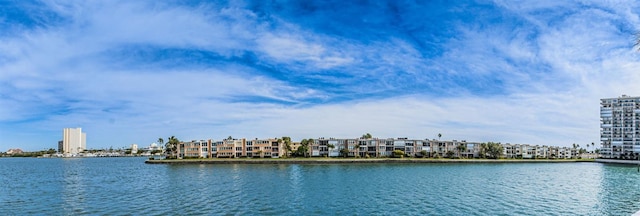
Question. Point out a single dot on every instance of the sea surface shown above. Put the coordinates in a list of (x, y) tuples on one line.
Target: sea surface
[(127, 186)]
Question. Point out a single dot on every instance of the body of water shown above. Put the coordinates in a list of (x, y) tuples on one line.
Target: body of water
[(117, 186)]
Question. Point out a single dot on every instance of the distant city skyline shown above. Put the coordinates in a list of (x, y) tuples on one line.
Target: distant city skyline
[(126, 72)]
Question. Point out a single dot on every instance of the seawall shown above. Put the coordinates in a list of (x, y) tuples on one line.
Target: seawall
[(353, 161), (613, 161)]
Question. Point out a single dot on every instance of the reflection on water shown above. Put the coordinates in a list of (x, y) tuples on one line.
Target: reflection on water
[(620, 188), (73, 185), (108, 186), (296, 184)]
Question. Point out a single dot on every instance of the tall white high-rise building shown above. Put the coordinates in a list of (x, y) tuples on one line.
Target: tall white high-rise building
[(620, 127), (73, 141)]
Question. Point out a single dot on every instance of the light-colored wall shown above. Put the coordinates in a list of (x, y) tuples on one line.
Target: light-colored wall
[(73, 140)]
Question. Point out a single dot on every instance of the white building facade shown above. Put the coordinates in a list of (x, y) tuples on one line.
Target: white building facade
[(620, 127), (73, 141)]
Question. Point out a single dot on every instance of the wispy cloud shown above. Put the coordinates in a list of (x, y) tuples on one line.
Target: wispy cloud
[(129, 72)]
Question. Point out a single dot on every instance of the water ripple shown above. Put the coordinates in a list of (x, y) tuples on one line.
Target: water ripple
[(126, 186)]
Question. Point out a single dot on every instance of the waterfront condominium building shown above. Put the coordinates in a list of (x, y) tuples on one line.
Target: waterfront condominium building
[(620, 127), (363, 147), (73, 141), (232, 148)]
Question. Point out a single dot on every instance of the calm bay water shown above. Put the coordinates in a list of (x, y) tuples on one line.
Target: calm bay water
[(127, 186)]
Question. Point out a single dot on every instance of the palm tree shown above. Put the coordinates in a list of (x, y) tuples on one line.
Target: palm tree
[(345, 152), (311, 141), (430, 148), (357, 146), (329, 147), (483, 149), (366, 136), (287, 145), (461, 148), (439, 135), (160, 141), (280, 141), (260, 154), (171, 147)]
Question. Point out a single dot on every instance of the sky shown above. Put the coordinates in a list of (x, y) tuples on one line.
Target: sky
[(529, 72)]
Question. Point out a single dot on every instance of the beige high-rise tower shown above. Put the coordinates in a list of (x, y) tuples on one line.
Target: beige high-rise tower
[(74, 141)]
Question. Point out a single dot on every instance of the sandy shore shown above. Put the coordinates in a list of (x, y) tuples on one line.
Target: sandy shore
[(354, 160)]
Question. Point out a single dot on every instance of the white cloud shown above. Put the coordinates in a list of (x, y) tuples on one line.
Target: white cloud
[(293, 48), (553, 68), (555, 120)]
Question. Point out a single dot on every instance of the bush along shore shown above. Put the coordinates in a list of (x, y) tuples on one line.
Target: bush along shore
[(354, 160)]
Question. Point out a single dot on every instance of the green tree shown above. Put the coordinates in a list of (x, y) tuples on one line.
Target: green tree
[(260, 154), (430, 148), (423, 153), (366, 136), (483, 150), (287, 145), (171, 147), (330, 147), (311, 141), (303, 149), (357, 148), (493, 150), (344, 152), (398, 153), (279, 141), (449, 154), (161, 143), (461, 147)]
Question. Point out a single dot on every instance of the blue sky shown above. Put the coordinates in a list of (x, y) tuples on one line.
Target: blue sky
[(132, 71)]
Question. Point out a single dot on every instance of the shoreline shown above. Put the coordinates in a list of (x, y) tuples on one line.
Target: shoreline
[(616, 161), (357, 161)]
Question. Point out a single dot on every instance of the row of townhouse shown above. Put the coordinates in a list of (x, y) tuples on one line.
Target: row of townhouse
[(231, 148), (359, 147), (374, 147), (536, 151)]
